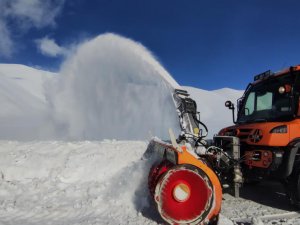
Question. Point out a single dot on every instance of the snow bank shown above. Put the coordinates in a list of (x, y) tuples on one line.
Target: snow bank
[(73, 183)]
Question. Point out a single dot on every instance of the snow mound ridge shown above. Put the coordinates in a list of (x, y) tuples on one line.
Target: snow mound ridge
[(26, 78), (73, 182)]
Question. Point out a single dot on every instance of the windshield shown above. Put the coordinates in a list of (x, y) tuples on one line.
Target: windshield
[(268, 100)]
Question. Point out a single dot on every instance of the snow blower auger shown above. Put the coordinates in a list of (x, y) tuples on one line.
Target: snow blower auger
[(185, 181)]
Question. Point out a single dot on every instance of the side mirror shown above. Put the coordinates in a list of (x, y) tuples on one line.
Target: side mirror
[(229, 104)]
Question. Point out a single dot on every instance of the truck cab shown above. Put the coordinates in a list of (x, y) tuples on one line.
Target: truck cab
[(268, 126)]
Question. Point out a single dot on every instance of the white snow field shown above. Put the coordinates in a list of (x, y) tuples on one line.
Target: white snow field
[(59, 182), (72, 142), (73, 183)]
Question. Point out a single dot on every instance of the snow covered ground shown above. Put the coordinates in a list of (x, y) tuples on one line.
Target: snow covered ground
[(56, 167), (56, 182), (73, 183)]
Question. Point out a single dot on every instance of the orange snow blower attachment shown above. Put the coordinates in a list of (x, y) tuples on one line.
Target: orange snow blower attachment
[(185, 189), (185, 183)]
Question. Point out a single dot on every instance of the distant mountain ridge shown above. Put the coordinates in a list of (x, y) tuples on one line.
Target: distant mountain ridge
[(27, 78), (211, 105)]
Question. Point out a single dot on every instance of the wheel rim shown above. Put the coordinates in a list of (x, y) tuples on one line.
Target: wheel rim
[(184, 195)]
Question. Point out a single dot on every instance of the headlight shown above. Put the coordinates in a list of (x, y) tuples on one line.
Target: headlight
[(279, 130)]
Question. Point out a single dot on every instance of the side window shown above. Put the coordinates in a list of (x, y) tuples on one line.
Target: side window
[(249, 106), (264, 101)]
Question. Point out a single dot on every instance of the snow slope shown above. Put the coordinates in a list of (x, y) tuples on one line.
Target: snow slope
[(211, 105), (23, 102), (26, 78)]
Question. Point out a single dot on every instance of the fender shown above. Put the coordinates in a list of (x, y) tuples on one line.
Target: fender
[(287, 165)]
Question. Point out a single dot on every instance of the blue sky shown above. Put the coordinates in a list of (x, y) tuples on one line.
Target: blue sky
[(206, 44)]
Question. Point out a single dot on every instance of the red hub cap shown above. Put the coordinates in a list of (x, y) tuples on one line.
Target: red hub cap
[(184, 195)]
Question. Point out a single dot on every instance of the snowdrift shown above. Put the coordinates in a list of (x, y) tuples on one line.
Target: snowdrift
[(73, 183)]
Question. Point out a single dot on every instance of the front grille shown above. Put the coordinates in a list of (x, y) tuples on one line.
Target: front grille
[(243, 137), (244, 133), (244, 130)]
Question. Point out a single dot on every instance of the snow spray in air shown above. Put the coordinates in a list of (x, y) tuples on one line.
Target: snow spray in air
[(113, 88)]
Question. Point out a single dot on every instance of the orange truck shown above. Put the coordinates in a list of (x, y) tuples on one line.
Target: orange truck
[(268, 127), (190, 173)]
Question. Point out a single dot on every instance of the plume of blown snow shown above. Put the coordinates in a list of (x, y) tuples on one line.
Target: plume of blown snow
[(112, 87)]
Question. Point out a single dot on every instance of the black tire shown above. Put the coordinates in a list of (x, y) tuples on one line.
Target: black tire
[(293, 186), (252, 182)]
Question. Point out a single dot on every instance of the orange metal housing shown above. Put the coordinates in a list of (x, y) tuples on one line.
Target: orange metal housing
[(185, 157), (179, 155), (244, 132)]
